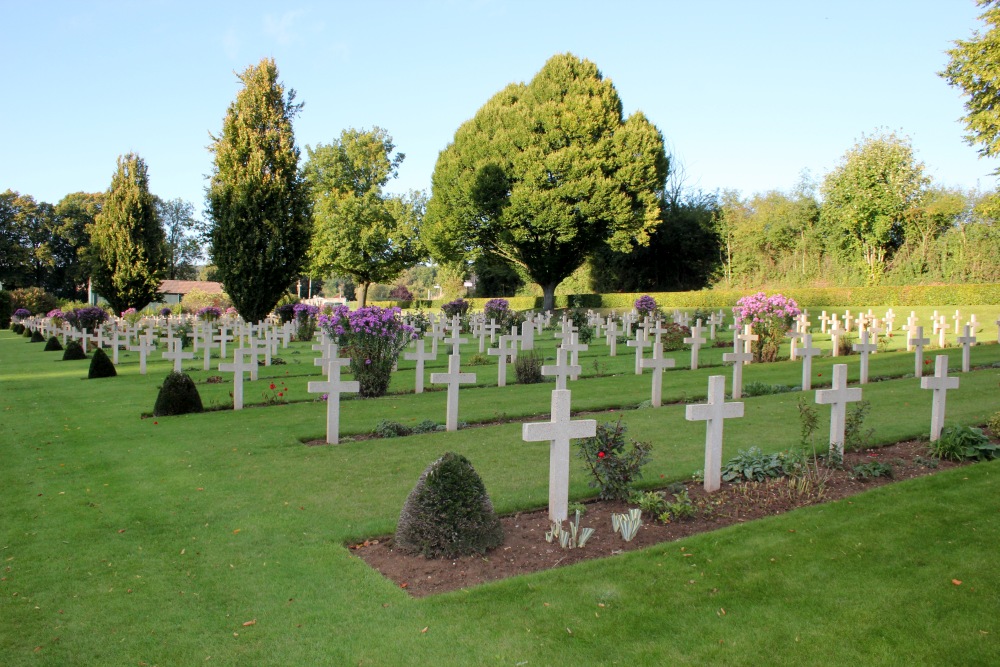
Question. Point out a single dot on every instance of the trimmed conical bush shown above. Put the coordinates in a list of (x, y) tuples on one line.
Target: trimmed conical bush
[(37, 337), (101, 366), (178, 396), (74, 351), (448, 513), (53, 345)]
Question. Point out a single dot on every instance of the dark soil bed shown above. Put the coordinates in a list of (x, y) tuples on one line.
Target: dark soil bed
[(525, 549)]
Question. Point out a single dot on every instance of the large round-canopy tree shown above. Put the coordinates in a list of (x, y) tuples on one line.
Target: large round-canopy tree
[(127, 239), (257, 198), (544, 173)]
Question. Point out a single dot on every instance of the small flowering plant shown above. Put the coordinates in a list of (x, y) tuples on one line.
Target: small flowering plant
[(87, 318), (131, 315), (305, 317), (285, 311), (499, 310), (612, 466), (277, 394), (209, 313), (770, 318), (646, 305), (166, 312), (457, 307), (57, 316), (372, 337), (21, 313)]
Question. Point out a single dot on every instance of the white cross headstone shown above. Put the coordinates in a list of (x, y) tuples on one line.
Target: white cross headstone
[(942, 332), (575, 347), (239, 366), (612, 336), (837, 398), (794, 336), (738, 358), (562, 369), (207, 343), (456, 341), (333, 388), (835, 334), (695, 340), (713, 413), (504, 355), (639, 342), (917, 342), (824, 320), (940, 383), (657, 363), (559, 430), (807, 353), (420, 356), (177, 354), (966, 341), (117, 340), (864, 348), (144, 345), (453, 379), (222, 338), (748, 338)]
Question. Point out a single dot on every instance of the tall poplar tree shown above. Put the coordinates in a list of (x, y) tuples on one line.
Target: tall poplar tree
[(258, 201), (127, 239)]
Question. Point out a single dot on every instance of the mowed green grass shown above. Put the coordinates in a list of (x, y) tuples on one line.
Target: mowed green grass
[(126, 540)]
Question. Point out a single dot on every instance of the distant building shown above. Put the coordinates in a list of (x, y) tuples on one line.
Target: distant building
[(174, 291)]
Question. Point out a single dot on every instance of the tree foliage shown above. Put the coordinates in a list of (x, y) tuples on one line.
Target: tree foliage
[(127, 239), (974, 67), (257, 199), (358, 229), (71, 248), (869, 196), (183, 248), (545, 172)]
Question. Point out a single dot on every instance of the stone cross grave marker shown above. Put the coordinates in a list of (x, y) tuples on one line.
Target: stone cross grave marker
[(917, 342), (559, 430), (657, 363), (222, 338), (714, 320), (419, 356), (695, 340), (479, 331), (333, 387), (738, 358), (837, 398), (940, 383), (456, 341), (327, 350), (835, 334), (957, 319), (239, 366), (177, 354), (864, 348), (748, 338), (848, 319), (118, 339), (612, 336), (714, 412), (575, 347), (942, 332), (966, 341), (144, 345), (453, 379), (505, 353), (807, 353), (562, 368), (639, 342), (492, 329), (824, 321)]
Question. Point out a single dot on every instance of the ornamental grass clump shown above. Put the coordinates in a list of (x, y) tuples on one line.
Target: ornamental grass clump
[(178, 396), (770, 318), (372, 337), (101, 366), (613, 467), (448, 513)]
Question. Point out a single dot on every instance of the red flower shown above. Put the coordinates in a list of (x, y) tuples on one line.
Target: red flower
[(600, 455), (926, 361), (272, 385), (280, 394)]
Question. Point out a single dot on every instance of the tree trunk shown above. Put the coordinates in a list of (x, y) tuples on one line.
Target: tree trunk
[(549, 296), (362, 294)]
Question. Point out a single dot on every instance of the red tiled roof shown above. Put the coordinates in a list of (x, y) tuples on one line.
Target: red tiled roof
[(185, 286)]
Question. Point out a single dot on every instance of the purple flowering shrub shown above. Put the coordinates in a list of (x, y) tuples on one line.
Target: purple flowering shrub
[(21, 313), (209, 313), (401, 293), (166, 312), (457, 307), (87, 318), (500, 311), (770, 318), (305, 316), (372, 337), (646, 305), (286, 312)]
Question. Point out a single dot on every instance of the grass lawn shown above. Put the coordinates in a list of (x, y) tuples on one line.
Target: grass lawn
[(218, 538)]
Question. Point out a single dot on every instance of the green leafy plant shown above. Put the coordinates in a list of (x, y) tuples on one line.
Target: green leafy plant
[(178, 396), (753, 465), (856, 436), (613, 466), (571, 537), (478, 360), (386, 428), (871, 470), (756, 388), (528, 367), (960, 443), (681, 508), (652, 503), (993, 423), (809, 420), (448, 513), (101, 366), (426, 426), (627, 524)]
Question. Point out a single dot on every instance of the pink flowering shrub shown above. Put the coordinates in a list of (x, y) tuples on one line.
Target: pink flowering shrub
[(372, 337), (770, 318)]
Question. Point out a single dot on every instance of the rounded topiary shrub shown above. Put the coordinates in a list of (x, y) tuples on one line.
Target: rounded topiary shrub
[(448, 513), (17, 328), (101, 366), (178, 396), (53, 344), (37, 337), (74, 351)]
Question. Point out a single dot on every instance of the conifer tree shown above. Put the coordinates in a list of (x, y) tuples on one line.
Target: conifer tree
[(257, 199), (127, 239)]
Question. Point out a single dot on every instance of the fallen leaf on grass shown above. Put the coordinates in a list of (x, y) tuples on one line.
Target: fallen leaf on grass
[(956, 582), (424, 630), (249, 623)]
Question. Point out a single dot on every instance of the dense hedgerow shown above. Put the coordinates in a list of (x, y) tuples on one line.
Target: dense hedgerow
[(448, 513)]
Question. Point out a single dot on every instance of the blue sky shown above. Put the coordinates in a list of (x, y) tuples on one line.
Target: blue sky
[(746, 94)]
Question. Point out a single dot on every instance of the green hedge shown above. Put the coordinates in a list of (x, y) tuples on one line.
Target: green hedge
[(6, 309), (810, 297)]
